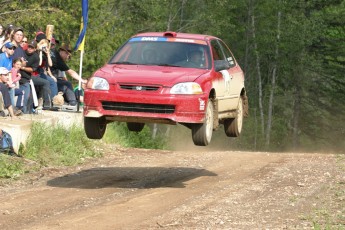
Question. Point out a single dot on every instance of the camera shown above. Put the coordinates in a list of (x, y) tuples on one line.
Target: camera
[(44, 48)]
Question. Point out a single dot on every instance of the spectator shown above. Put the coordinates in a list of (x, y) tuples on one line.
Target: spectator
[(18, 35), (59, 59), (2, 35), (8, 36), (17, 64), (5, 101), (6, 61), (33, 60), (24, 43), (6, 56), (46, 63)]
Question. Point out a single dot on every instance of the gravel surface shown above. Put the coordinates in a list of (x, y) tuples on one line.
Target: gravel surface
[(154, 189)]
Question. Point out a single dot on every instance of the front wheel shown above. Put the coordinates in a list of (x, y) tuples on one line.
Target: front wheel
[(233, 126), (202, 133), (95, 127)]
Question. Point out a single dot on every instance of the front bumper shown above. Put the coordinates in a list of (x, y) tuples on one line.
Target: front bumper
[(145, 107)]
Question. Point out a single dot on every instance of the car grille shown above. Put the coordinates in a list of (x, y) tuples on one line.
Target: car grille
[(138, 107), (139, 87)]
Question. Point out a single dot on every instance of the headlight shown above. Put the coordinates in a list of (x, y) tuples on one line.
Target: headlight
[(98, 83), (186, 88)]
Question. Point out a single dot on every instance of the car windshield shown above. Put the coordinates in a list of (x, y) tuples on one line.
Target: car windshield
[(161, 51)]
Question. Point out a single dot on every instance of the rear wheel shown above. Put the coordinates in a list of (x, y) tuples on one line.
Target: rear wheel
[(135, 127), (233, 126), (95, 127), (202, 133)]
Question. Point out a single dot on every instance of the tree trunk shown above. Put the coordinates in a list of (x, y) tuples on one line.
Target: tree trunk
[(296, 114), (246, 56), (273, 86), (259, 77)]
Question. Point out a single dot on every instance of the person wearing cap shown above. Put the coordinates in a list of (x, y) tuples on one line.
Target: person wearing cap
[(30, 70), (5, 100), (6, 56), (59, 59), (6, 61)]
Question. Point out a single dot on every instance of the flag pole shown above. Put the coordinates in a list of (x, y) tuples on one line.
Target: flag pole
[(80, 44), (80, 68), (80, 77)]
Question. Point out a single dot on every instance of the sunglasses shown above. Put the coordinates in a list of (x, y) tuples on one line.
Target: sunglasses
[(12, 48)]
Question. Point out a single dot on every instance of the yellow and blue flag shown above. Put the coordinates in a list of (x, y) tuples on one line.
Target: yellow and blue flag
[(81, 39)]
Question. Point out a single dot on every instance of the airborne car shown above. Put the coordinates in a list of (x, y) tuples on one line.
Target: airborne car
[(169, 78)]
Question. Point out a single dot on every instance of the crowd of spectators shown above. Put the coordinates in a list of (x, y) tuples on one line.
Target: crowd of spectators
[(33, 72)]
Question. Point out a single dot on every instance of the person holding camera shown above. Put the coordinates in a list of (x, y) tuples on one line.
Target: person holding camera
[(30, 70), (43, 48)]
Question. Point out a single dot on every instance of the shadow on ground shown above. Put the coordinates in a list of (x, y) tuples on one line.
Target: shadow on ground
[(129, 177)]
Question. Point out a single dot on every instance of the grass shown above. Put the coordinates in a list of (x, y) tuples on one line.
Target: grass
[(49, 146), (58, 146), (10, 167)]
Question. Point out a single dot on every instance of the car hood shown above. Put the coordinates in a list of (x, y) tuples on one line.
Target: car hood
[(153, 75)]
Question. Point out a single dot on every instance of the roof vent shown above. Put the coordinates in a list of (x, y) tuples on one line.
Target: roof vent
[(169, 34)]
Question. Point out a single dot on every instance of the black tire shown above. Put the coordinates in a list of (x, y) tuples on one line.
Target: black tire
[(95, 127), (233, 126), (202, 133), (135, 127)]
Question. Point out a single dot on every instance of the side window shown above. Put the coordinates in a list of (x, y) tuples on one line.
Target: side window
[(217, 51), (229, 57)]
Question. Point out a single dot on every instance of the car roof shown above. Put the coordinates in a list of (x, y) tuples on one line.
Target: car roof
[(176, 35)]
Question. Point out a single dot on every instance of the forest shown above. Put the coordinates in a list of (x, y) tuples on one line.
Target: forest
[(292, 53)]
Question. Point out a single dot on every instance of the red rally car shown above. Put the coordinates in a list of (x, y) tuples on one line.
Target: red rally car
[(169, 78)]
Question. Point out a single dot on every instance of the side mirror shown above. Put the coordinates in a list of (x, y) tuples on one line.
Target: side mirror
[(221, 65)]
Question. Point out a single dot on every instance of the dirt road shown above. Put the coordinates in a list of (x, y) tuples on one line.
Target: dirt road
[(149, 189)]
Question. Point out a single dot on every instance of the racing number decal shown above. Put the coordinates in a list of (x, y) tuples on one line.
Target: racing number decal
[(227, 79)]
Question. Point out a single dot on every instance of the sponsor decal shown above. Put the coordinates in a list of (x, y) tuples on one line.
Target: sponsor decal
[(149, 38), (164, 39), (227, 79), (201, 104)]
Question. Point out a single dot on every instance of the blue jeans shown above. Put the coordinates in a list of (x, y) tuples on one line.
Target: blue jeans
[(12, 92), (23, 104), (16, 92), (42, 90), (20, 94), (52, 84)]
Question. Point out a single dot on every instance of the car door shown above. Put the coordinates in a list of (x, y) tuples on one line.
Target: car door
[(226, 80), (236, 77)]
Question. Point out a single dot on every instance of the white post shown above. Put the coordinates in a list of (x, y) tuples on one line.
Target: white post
[(80, 68)]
